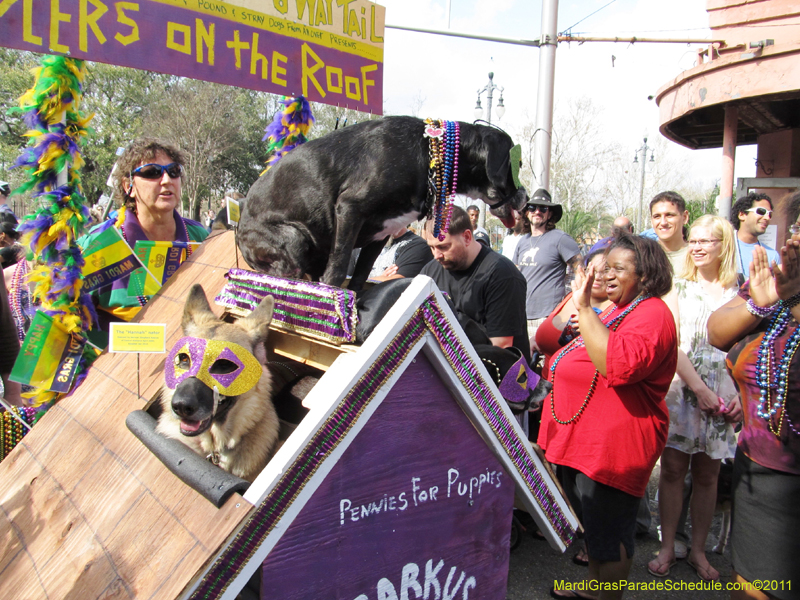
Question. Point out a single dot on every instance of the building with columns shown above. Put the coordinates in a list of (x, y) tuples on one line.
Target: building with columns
[(745, 89)]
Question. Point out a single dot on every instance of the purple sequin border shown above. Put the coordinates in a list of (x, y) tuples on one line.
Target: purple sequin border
[(317, 309), (428, 317)]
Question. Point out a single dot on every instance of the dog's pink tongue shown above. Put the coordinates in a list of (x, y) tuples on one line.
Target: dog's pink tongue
[(191, 426), (508, 222)]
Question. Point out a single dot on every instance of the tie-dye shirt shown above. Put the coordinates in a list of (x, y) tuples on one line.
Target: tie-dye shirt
[(756, 440)]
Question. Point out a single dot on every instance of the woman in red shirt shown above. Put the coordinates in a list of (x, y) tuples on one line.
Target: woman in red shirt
[(562, 324), (605, 423)]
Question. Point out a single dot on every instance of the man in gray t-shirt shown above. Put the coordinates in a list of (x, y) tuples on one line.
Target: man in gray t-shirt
[(542, 257)]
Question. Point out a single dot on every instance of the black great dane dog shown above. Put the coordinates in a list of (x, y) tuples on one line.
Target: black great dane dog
[(355, 186)]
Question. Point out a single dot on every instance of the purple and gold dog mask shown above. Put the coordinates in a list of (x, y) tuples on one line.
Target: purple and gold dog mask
[(202, 354)]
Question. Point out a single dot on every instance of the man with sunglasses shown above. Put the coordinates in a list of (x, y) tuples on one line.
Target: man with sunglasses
[(750, 216), (147, 182), (542, 256)]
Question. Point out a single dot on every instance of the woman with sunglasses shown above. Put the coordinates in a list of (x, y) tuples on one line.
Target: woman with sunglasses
[(147, 183), (759, 329), (702, 399)]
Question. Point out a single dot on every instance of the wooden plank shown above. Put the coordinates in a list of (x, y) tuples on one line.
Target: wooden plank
[(314, 353), (85, 510)]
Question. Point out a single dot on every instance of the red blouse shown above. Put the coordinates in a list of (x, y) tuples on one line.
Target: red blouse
[(623, 429)]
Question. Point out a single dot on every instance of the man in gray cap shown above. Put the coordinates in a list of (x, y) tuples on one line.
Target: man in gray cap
[(542, 257), (5, 192)]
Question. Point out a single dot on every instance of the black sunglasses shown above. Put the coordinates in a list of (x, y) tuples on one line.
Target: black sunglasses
[(154, 171), (537, 207)]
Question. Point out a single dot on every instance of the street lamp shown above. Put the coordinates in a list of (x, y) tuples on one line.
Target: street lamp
[(643, 149), (489, 88)]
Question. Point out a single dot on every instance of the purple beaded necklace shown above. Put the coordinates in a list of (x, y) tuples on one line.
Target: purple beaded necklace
[(443, 145), (771, 377)]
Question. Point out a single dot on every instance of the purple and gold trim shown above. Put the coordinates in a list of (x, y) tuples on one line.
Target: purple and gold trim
[(314, 309), (428, 317), (487, 403)]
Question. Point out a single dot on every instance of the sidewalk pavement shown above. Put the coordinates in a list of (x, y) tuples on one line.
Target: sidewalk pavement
[(535, 566)]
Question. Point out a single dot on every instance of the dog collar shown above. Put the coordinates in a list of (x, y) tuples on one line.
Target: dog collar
[(194, 357)]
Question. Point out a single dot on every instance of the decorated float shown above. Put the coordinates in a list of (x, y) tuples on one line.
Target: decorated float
[(397, 480), (398, 471)]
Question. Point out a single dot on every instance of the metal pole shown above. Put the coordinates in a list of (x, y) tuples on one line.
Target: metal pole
[(640, 224), (728, 160), (544, 101), (464, 34), (634, 40), (490, 89)]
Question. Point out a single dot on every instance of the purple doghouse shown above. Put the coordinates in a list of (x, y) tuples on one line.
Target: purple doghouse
[(399, 482)]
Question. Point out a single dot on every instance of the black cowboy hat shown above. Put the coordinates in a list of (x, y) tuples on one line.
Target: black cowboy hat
[(541, 197)]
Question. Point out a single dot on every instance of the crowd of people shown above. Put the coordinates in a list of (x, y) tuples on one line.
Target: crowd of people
[(678, 349), (640, 374), (636, 353)]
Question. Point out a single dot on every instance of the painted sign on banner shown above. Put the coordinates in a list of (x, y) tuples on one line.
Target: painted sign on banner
[(49, 356), (159, 262), (107, 258), (331, 53)]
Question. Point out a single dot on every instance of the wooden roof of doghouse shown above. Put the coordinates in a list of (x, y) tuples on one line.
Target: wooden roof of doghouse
[(86, 511)]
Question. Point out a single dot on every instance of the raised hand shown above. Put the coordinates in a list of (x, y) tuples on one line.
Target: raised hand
[(580, 276), (787, 274), (762, 283), (582, 288)]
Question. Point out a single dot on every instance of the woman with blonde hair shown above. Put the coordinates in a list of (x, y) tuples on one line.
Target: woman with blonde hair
[(702, 399)]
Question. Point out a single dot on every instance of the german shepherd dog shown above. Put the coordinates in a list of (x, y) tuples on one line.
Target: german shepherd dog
[(236, 432)]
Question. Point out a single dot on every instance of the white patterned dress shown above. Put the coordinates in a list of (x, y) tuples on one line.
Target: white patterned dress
[(690, 429)]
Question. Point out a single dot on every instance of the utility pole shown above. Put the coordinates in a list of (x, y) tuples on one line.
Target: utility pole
[(643, 149), (544, 101)]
